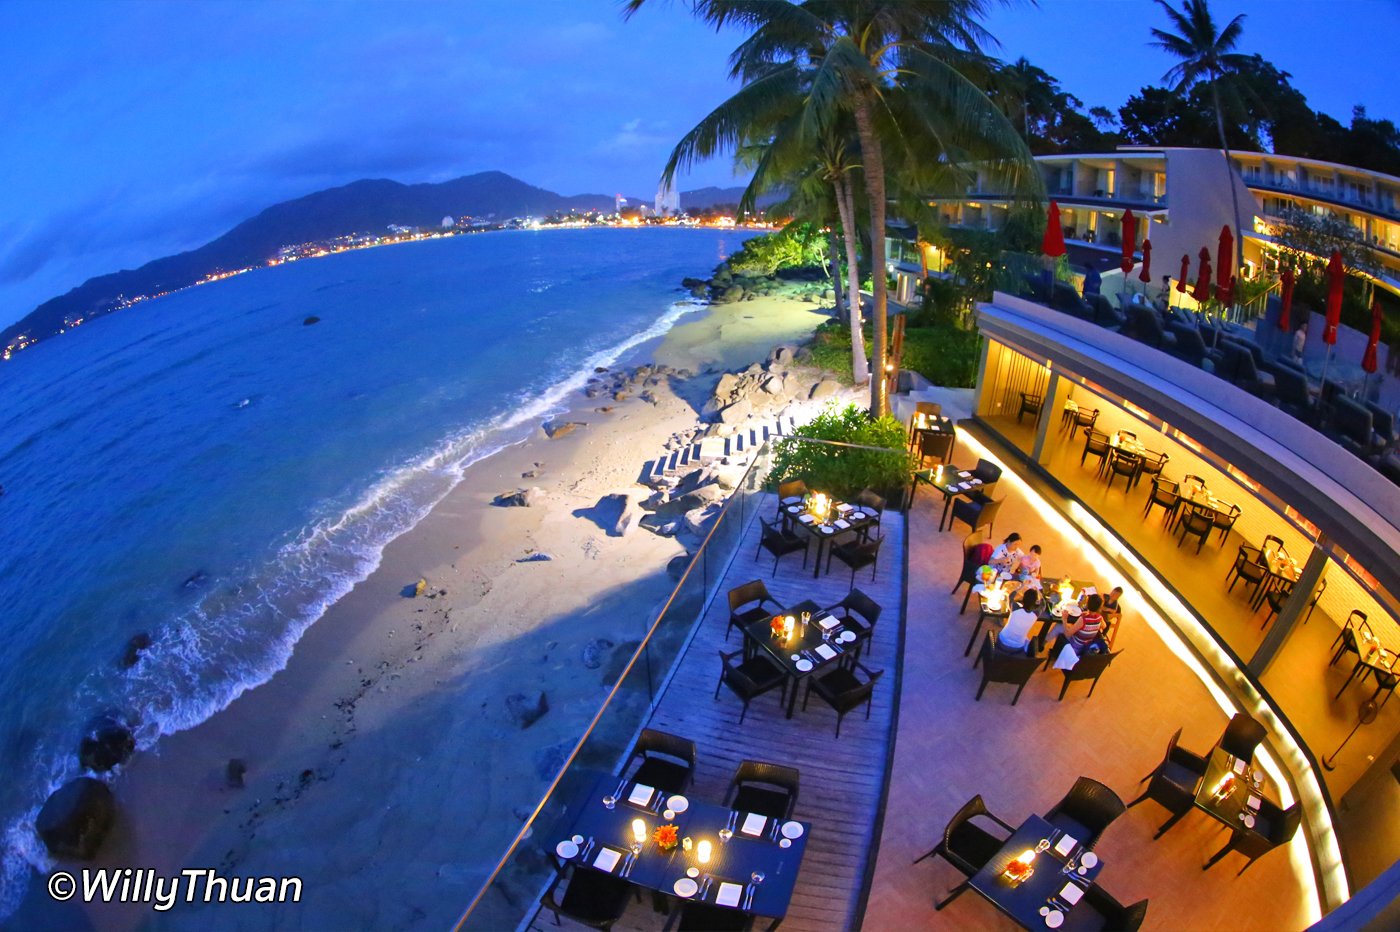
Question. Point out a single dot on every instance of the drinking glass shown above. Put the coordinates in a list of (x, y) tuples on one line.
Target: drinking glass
[(724, 836), (757, 876), (609, 801)]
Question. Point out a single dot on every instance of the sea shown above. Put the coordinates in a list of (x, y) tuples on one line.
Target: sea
[(209, 470)]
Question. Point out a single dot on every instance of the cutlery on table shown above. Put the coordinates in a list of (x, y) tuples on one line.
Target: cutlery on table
[(748, 897)]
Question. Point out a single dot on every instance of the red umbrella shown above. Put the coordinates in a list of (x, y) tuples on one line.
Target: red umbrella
[(1053, 243), (1368, 362), (1285, 313), (1336, 277), (1225, 258), (1202, 291), (1146, 275), (1129, 240), (1185, 273), (1225, 293)]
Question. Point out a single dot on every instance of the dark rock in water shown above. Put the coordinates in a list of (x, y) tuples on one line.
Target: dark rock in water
[(594, 652), (76, 818), (106, 743), (197, 578), (234, 772), (525, 710), (535, 558), (138, 643), (600, 368), (313, 319), (556, 429), (676, 568)]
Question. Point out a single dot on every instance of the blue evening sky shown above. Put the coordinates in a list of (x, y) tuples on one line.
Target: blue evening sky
[(131, 130)]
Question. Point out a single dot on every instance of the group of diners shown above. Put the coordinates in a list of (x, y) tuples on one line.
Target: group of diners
[(708, 865), (785, 647), (1046, 872)]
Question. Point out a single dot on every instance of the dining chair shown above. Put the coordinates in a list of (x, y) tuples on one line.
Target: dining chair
[(751, 678), (592, 898), (1096, 445), (983, 613), (693, 916), (1275, 598), (976, 512), (1088, 668), (922, 409), (1167, 494), (1085, 419), (937, 446), (1125, 464), (1030, 404), (860, 612), (998, 667), (1194, 480), (1241, 736), (767, 789), (989, 473), (966, 845), (755, 594), (1115, 915), (1152, 465), (873, 504), (1172, 783), (976, 553), (1197, 521), (1224, 521), (857, 554), (779, 541), (1273, 827), (793, 488), (844, 690), (1355, 630), (1086, 810), (667, 762), (1248, 566)]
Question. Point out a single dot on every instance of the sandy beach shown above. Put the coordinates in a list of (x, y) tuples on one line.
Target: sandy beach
[(384, 765)]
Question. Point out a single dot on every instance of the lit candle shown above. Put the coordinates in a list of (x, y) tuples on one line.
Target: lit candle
[(639, 830), (787, 627), (702, 852)]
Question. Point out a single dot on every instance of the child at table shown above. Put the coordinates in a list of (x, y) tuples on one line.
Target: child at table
[(1112, 613), (1028, 567)]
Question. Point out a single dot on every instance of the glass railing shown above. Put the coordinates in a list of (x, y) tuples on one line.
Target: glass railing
[(510, 894)]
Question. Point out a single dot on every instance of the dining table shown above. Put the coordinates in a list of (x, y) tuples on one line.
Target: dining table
[(1061, 870), (1280, 570), (950, 481), (1230, 791), (806, 652), (838, 519), (935, 433), (751, 860)]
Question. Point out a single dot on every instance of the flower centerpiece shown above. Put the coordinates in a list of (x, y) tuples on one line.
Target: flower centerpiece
[(987, 574), (665, 837), (776, 626)]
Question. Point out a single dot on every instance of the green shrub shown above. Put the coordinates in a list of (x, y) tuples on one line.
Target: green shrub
[(945, 355), (842, 471)]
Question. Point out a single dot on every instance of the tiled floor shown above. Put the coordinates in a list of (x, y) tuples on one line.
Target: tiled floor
[(1023, 759)]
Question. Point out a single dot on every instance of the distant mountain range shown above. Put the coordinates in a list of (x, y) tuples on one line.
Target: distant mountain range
[(367, 206)]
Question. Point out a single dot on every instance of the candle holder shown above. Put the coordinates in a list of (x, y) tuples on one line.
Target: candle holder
[(1020, 869)]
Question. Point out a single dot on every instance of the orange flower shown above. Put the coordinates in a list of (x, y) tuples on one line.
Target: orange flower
[(665, 836)]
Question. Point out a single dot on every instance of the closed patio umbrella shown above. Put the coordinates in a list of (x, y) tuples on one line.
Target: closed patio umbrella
[(1225, 293), (1368, 361), (1185, 273), (1224, 258), (1145, 275), (1129, 241), (1336, 278), (1285, 313), (1052, 244), (1202, 290)]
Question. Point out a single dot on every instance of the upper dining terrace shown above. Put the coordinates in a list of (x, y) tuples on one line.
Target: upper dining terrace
[(864, 805)]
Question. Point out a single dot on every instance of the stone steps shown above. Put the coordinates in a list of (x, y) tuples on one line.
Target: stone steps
[(711, 449)]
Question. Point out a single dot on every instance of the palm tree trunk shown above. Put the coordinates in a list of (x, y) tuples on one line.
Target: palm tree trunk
[(1230, 177), (845, 204), (873, 162), (834, 254)]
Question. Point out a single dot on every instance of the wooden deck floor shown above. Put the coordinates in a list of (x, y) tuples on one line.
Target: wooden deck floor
[(842, 779)]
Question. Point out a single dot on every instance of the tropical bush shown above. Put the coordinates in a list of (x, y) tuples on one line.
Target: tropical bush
[(796, 246), (944, 354), (842, 471)]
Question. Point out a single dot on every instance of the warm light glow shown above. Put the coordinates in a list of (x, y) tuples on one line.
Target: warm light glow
[(639, 830), (702, 852)]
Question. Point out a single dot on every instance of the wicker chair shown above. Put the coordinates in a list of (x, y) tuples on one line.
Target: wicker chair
[(1273, 827), (1089, 668), (666, 761), (976, 513), (749, 679), (859, 612), (967, 846), (844, 691), (998, 667), (1087, 809), (857, 554), (974, 546), (755, 594), (1197, 521), (780, 542), (768, 789), (1116, 916), (1248, 566), (593, 898), (1241, 736), (1095, 444), (1172, 785)]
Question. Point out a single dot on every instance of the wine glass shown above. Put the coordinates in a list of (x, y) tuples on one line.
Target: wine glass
[(1042, 845), (724, 835), (609, 801), (757, 877)]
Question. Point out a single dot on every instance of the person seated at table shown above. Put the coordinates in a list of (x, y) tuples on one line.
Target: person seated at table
[(1006, 554), (1015, 634), (1085, 633), (1112, 614), (1028, 567)]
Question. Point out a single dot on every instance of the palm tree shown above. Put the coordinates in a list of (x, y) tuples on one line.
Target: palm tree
[(863, 55), (1207, 57)]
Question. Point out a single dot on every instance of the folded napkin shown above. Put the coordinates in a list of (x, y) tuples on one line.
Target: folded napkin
[(1065, 845), (842, 523), (607, 859), (806, 519), (1071, 894), (792, 499), (964, 473), (1254, 803), (1090, 590), (843, 508), (1241, 765), (825, 651), (641, 795), (753, 824), (1066, 661), (728, 894), (828, 623)]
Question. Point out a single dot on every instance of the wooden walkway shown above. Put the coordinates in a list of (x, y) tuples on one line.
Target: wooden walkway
[(842, 779)]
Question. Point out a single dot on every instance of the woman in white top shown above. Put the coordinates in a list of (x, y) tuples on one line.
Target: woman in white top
[(1006, 555), (1015, 634)]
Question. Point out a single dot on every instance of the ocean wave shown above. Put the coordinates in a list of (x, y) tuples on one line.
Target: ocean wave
[(237, 637)]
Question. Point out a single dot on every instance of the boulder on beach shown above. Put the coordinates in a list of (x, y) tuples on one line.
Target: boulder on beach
[(824, 389), (234, 772), (520, 498), (526, 710), (75, 820), (738, 411), (106, 743), (134, 647), (556, 429)]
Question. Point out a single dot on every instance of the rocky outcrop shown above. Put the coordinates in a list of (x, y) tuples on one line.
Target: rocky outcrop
[(556, 429), (826, 388), (526, 710), (520, 498), (135, 647), (75, 820), (107, 742)]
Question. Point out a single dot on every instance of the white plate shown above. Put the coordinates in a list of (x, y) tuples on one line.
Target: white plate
[(641, 795), (1054, 919), (577, 839), (796, 657), (677, 804), (566, 849), (828, 530), (1089, 860), (846, 637), (784, 842), (685, 887), (1249, 821), (857, 516), (792, 829), (728, 894), (692, 872), (804, 665)]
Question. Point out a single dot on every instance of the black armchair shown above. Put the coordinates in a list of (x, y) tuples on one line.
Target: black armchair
[(667, 762), (857, 554), (1273, 827), (761, 605), (974, 547), (1224, 520), (966, 845), (1249, 566), (779, 541), (989, 473), (976, 512), (1116, 916), (873, 504), (1351, 424), (1125, 464), (702, 917), (844, 691), (1173, 783), (1087, 809), (1084, 419), (1152, 465), (1197, 522), (749, 679), (858, 612), (593, 898), (1356, 629), (1242, 736), (1088, 668), (1167, 494), (998, 667), (768, 789), (1096, 445), (1274, 598), (1291, 393)]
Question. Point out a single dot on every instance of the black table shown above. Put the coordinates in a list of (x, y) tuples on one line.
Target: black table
[(1230, 807), (1053, 870), (760, 635), (733, 862), (948, 480), (823, 532)]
